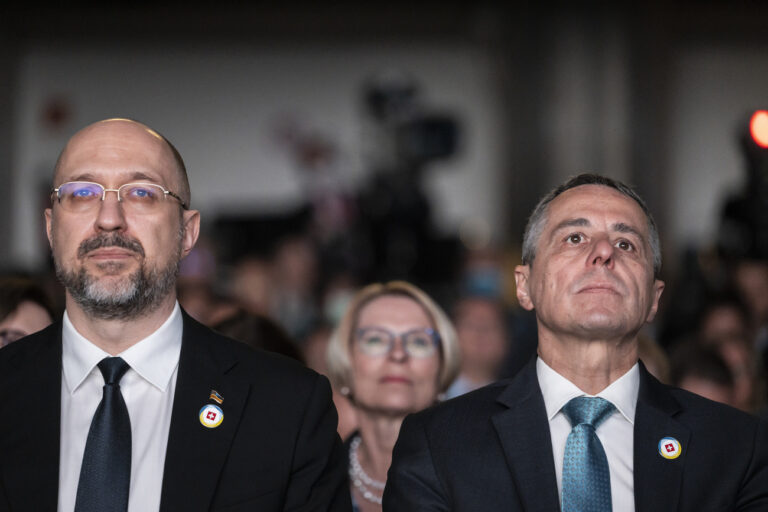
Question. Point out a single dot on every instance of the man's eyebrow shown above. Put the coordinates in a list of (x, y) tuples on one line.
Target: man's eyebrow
[(620, 227), (626, 228), (83, 177), (570, 223), (142, 176)]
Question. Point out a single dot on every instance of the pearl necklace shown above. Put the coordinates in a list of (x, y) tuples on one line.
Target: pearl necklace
[(360, 478)]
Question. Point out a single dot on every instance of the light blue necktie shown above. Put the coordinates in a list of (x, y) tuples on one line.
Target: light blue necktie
[(586, 479)]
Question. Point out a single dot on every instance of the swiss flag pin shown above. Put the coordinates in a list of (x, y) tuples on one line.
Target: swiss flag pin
[(670, 448)]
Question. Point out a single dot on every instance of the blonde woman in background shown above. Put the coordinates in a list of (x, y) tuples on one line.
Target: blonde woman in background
[(393, 353)]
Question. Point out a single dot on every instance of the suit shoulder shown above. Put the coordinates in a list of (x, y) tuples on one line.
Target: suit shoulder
[(475, 406), (25, 351)]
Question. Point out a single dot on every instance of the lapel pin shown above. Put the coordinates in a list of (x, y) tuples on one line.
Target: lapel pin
[(216, 397), (669, 448), (211, 416)]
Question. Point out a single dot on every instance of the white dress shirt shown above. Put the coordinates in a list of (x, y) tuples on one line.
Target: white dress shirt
[(147, 387), (616, 433)]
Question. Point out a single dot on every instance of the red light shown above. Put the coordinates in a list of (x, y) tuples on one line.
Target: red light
[(758, 128)]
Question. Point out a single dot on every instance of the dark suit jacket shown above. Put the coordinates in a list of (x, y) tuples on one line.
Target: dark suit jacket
[(277, 448), (490, 450)]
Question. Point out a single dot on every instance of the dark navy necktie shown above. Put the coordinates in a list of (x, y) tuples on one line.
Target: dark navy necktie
[(586, 478), (105, 475)]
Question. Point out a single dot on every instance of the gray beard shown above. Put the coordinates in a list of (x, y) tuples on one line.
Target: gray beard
[(129, 297)]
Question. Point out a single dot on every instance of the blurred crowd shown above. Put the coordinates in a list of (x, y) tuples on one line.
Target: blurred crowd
[(393, 348), (711, 337)]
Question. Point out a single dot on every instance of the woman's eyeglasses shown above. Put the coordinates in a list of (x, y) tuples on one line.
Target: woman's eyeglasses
[(379, 341)]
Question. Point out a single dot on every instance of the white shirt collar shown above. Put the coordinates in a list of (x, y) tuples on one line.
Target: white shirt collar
[(154, 358), (558, 391)]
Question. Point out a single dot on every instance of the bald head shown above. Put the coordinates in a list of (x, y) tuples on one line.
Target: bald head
[(115, 140)]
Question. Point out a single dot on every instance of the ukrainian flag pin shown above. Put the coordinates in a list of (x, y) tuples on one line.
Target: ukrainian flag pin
[(211, 416), (216, 397), (670, 448)]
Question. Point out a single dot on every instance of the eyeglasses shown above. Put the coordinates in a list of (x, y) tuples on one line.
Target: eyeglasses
[(8, 336), (378, 341), (84, 196)]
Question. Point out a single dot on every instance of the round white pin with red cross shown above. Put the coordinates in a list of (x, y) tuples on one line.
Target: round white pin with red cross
[(211, 416), (669, 448)]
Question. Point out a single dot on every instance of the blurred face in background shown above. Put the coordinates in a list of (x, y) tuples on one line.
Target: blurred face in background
[(751, 278), (482, 335), (394, 382), (709, 389), (29, 317), (739, 356), (724, 322)]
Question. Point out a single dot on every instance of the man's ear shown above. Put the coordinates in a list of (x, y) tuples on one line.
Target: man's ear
[(658, 287), (48, 228), (522, 275), (191, 220)]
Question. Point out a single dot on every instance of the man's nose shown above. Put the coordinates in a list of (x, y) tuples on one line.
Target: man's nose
[(110, 215), (602, 252)]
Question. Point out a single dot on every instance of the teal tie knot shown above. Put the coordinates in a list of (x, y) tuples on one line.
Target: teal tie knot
[(588, 410)]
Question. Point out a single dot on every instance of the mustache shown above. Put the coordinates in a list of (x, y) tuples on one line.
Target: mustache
[(114, 239)]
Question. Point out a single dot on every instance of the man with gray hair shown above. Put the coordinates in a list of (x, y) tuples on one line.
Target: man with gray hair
[(584, 426), (128, 404)]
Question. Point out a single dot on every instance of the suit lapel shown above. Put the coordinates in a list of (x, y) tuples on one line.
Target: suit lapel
[(657, 479), (32, 441), (196, 454), (524, 434)]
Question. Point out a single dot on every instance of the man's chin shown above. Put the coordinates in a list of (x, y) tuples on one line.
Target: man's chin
[(112, 268), (116, 289), (602, 324)]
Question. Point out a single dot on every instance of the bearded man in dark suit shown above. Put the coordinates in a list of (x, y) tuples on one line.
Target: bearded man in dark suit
[(129, 404), (583, 427)]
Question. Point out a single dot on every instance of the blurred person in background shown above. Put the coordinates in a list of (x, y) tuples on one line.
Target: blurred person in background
[(201, 301), (259, 332), (751, 279), (393, 353), (483, 339), (315, 350), (702, 370), (251, 284), (197, 287), (294, 274), (750, 276), (725, 325), (725, 316), (654, 357), (24, 308), (748, 382)]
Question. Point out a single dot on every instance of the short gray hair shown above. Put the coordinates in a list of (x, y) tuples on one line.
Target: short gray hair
[(538, 218)]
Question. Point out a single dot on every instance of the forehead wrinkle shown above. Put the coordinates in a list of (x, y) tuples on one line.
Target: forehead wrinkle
[(570, 223)]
